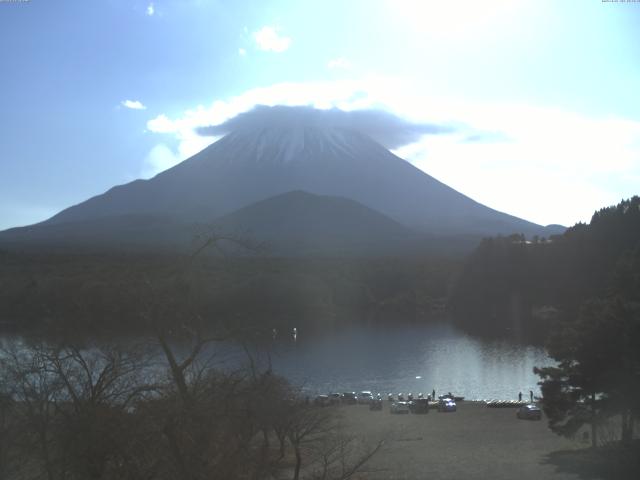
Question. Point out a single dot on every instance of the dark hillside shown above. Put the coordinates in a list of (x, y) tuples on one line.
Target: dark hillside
[(116, 293), (512, 286)]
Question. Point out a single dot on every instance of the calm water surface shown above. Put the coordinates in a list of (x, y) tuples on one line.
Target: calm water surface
[(402, 359), (408, 359)]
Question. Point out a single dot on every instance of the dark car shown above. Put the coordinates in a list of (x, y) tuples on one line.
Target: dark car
[(529, 412), (349, 398), (375, 404), (419, 405), (365, 397)]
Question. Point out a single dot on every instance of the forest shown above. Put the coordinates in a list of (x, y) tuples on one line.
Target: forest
[(508, 286), (517, 287), (115, 292)]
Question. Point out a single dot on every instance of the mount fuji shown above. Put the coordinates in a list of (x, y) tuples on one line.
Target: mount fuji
[(378, 192)]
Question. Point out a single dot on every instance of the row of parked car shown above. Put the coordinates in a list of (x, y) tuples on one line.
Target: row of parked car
[(399, 404), (347, 398), (444, 403)]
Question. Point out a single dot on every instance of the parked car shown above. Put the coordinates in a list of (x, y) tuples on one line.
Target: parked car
[(375, 404), (447, 405), (365, 397), (349, 398), (401, 397), (529, 412), (399, 407), (390, 397), (419, 405)]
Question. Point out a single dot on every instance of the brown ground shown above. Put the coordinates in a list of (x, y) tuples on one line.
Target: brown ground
[(475, 442)]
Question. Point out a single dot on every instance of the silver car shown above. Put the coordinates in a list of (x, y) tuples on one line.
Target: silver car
[(399, 407), (529, 412)]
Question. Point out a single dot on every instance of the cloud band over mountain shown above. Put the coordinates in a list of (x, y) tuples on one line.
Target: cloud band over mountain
[(386, 128)]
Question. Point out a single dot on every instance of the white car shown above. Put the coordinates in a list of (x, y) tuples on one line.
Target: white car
[(399, 407), (447, 405)]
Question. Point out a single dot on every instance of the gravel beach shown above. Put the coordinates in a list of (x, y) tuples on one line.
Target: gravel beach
[(475, 442)]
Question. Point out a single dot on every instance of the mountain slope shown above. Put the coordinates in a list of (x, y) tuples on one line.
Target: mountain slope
[(300, 222), (116, 232), (249, 165), (293, 223)]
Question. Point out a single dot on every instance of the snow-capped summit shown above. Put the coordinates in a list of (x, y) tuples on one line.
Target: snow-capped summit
[(282, 144)]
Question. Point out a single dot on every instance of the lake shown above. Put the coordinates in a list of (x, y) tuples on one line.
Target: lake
[(406, 358)]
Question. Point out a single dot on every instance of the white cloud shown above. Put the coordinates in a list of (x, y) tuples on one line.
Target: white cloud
[(158, 159), (344, 95), (161, 124), (150, 9), (269, 40), (339, 63), (161, 156), (133, 104), (544, 164), (550, 166), (242, 52)]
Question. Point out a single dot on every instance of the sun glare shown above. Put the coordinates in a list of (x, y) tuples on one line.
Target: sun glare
[(458, 18)]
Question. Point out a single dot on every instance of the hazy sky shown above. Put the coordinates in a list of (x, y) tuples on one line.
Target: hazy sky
[(543, 96)]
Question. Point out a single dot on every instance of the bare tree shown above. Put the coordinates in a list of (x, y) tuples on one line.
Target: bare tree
[(340, 457)]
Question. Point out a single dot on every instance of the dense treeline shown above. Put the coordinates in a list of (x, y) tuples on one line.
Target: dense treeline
[(521, 288), (91, 292), (596, 381)]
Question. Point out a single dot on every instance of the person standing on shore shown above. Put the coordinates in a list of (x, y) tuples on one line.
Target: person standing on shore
[(520, 396), (433, 394), (531, 396)]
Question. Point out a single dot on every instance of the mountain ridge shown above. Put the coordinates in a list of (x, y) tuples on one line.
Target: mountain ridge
[(234, 172), (250, 165), (302, 222)]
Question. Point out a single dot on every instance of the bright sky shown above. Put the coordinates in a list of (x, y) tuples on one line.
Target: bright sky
[(544, 95)]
